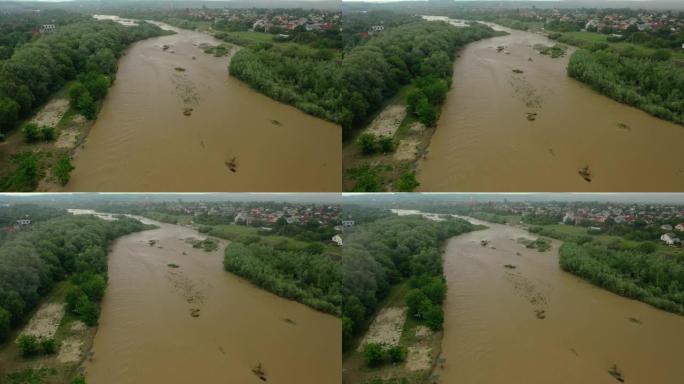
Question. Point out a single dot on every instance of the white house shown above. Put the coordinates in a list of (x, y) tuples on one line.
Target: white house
[(337, 239), (377, 28), (679, 227), (24, 222), (348, 223), (670, 239), (47, 28)]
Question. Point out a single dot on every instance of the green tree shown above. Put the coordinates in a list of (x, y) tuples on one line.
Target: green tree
[(434, 317), (368, 143), (407, 182), (373, 354), (396, 354), (87, 311), (86, 105), (28, 345), (48, 346), (427, 113), (62, 169), (386, 144), (415, 299), (31, 132), (75, 92), (5, 324), (9, 114)]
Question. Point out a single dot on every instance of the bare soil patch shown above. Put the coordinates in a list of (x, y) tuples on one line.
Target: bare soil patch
[(51, 113), (386, 327), (407, 149), (418, 358), (388, 121), (45, 321)]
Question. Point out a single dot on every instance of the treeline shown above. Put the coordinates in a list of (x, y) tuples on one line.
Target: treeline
[(310, 276), (643, 275), (307, 78), (41, 67), (387, 252), (65, 247), (374, 71), (18, 28), (648, 81)]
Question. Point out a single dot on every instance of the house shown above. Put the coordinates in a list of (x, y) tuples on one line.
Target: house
[(47, 28), (347, 223), (24, 222), (670, 239), (337, 239), (679, 227), (377, 28)]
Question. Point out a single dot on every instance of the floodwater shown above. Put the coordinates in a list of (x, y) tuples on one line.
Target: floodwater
[(493, 335), (142, 141), (146, 333), (485, 142)]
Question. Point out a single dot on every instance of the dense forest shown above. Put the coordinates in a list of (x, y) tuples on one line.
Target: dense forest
[(69, 247), (651, 82), (375, 70), (305, 77), (386, 252), (39, 68), (310, 275), (19, 28), (641, 274)]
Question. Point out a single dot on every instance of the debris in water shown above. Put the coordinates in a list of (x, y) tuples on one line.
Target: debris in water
[(232, 164), (551, 151), (173, 265), (152, 242), (194, 58), (615, 372), (624, 126), (500, 48), (194, 312), (517, 71), (184, 253), (518, 254), (165, 47), (510, 266), (574, 352), (541, 314), (484, 243), (276, 122), (220, 348), (259, 372), (634, 320), (529, 59), (531, 116), (289, 321), (187, 111), (180, 69), (585, 173)]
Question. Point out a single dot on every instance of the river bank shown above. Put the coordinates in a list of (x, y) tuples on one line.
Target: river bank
[(486, 118)]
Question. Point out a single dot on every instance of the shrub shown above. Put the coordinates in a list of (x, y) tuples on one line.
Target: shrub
[(48, 346), (5, 323), (396, 354), (62, 169), (386, 144), (87, 311), (28, 345), (368, 143), (373, 354), (407, 182), (434, 317), (31, 132)]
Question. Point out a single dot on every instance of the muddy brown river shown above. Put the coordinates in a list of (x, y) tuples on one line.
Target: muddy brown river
[(485, 142), (146, 333), (492, 333), (142, 141)]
